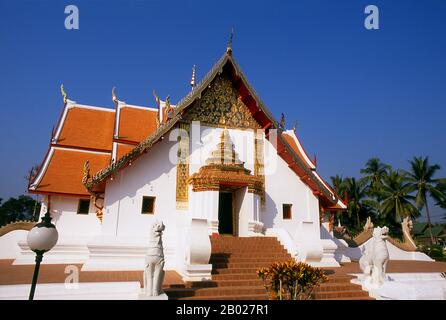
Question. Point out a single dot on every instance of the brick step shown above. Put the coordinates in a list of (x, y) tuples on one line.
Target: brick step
[(270, 257), (251, 255), (250, 243), (238, 265), (234, 270), (219, 283), (241, 239), (340, 294), (264, 262), (231, 297), (247, 243), (259, 253), (234, 276), (349, 298), (240, 283), (217, 291), (330, 287), (339, 279), (265, 250)]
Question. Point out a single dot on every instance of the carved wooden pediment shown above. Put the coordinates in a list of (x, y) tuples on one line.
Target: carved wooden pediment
[(222, 106)]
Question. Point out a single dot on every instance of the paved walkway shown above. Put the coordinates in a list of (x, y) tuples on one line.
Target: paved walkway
[(55, 273)]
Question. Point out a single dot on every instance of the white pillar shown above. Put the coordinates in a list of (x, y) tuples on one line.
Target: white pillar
[(198, 252), (205, 206)]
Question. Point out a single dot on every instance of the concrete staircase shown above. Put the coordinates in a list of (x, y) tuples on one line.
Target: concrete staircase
[(235, 261)]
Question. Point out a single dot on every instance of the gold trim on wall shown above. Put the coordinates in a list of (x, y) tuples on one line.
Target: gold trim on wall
[(259, 163), (182, 188)]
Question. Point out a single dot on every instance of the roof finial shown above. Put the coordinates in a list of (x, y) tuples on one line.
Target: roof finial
[(192, 81), (156, 98), (64, 94), (114, 98), (229, 47), (282, 121)]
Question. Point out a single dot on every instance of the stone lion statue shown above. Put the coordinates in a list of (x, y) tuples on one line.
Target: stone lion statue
[(154, 272), (373, 263)]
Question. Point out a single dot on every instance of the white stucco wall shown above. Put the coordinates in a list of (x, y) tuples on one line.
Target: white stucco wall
[(9, 248), (151, 175), (68, 222), (282, 185)]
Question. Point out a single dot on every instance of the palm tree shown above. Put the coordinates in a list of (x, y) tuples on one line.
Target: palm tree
[(357, 192), (440, 197), (374, 172), (421, 179), (396, 197), (338, 183)]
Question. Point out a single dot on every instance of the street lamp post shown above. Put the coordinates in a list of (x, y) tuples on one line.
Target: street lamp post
[(41, 239)]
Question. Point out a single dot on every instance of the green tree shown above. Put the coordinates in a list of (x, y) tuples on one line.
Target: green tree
[(421, 178), (21, 208), (374, 172), (339, 185), (396, 197), (357, 193)]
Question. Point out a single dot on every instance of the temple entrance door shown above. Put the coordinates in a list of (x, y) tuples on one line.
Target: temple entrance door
[(226, 213)]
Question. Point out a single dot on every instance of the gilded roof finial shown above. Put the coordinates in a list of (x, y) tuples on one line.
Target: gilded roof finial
[(282, 121), (114, 98), (229, 47), (192, 81), (64, 94), (169, 109)]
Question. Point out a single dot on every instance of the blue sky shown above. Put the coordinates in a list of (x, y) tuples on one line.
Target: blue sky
[(355, 93)]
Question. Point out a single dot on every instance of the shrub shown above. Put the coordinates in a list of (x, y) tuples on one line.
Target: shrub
[(434, 251), (290, 280)]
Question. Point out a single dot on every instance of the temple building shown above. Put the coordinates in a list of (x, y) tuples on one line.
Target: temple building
[(217, 163)]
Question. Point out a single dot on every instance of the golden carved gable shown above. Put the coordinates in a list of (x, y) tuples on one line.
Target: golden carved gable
[(222, 106)]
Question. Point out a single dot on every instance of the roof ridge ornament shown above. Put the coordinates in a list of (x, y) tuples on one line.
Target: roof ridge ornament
[(282, 121), (157, 99), (192, 81), (229, 46), (114, 98), (64, 94)]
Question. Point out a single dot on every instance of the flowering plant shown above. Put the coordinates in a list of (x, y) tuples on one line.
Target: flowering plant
[(290, 280)]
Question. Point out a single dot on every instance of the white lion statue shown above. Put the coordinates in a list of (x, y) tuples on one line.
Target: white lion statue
[(154, 273), (373, 263)]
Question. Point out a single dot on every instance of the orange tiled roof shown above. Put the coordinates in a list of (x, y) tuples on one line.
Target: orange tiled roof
[(64, 172), (87, 128), (136, 124), (122, 149)]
